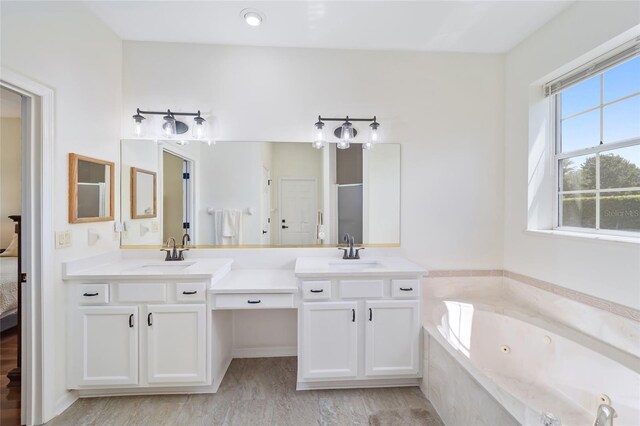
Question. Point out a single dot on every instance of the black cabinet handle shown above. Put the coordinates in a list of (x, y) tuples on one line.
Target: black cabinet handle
[(190, 292), (370, 314), (253, 302), (149, 321), (131, 321), (90, 294), (406, 289), (285, 227), (353, 315), (317, 291)]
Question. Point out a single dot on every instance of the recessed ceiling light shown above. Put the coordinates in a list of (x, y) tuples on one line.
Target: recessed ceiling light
[(252, 17)]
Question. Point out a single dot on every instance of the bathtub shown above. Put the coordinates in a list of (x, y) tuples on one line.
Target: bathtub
[(529, 366)]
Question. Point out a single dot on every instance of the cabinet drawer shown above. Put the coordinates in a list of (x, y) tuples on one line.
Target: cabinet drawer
[(316, 289), (93, 294), (361, 288), (142, 292), (191, 292), (405, 288), (253, 301)]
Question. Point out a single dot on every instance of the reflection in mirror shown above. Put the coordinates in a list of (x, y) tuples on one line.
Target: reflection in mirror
[(143, 193), (90, 189), (265, 194)]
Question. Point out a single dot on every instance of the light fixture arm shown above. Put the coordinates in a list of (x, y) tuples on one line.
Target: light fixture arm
[(169, 112), (347, 118)]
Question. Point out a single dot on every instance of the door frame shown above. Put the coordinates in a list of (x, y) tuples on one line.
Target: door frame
[(315, 202), (38, 298), (175, 150)]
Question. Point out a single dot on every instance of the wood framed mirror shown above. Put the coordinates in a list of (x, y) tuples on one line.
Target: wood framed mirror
[(143, 194), (91, 189)]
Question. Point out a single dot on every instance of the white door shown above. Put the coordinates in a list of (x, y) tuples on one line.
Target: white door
[(330, 340), (298, 211), (265, 207), (108, 336), (176, 343), (392, 337)]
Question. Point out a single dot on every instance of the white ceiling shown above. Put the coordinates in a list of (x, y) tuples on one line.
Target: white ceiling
[(10, 104), (469, 26)]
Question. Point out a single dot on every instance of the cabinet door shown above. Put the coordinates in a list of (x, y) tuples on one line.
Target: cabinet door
[(330, 339), (108, 338), (392, 338), (176, 343)]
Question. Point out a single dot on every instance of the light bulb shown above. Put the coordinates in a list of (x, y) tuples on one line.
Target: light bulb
[(169, 125), (367, 145), (374, 134), (343, 145), (253, 19)]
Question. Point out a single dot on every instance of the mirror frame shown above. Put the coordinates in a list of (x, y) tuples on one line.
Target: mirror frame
[(134, 194), (73, 189)]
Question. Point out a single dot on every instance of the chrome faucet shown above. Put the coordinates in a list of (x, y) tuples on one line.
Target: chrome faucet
[(349, 253), (173, 253), (605, 415)]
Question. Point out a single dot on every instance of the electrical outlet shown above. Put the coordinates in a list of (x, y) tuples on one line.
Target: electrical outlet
[(154, 226), (63, 239)]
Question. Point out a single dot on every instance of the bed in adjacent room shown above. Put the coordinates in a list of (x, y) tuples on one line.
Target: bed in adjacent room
[(9, 275)]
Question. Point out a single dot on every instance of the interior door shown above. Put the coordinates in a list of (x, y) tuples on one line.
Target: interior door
[(108, 344), (392, 337), (298, 211), (330, 340), (176, 343), (173, 196)]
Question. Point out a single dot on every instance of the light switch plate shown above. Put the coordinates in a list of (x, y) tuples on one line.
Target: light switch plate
[(63, 239), (154, 226)]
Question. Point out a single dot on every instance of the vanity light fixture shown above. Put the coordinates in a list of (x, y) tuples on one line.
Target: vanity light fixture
[(346, 132), (171, 127)]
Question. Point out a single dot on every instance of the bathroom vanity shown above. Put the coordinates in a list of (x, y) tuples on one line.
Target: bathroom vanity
[(147, 326), (358, 322)]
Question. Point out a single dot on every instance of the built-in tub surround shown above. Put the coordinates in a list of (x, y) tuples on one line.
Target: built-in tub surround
[(527, 362)]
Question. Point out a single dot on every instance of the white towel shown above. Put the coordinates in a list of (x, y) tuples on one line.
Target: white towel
[(227, 227)]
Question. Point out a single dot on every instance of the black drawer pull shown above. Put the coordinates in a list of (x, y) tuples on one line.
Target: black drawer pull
[(353, 315), (190, 292), (149, 319), (131, 321), (90, 294), (406, 289), (370, 314), (317, 291), (253, 302)]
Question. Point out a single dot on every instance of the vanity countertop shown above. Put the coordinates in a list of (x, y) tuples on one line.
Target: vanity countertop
[(327, 267), (152, 269), (256, 281)]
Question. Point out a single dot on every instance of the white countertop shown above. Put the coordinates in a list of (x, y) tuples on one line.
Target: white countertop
[(199, 268), (318, 267), (256, 281)]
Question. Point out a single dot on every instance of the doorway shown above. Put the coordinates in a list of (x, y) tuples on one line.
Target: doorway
[(12, 121), (298, 211), (176, 196)]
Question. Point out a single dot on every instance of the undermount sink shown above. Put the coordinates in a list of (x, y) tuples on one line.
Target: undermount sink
[(353, 264), (163, 268)]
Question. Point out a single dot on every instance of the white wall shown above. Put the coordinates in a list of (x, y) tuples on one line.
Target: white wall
[(445, 109), (68, 49), (608, 270), (10, 176)]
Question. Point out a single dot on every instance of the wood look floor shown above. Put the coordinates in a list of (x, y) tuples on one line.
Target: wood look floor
[(9, 397), (259, 391)]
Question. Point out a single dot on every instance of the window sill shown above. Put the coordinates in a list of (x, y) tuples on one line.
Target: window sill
[(583, 235)]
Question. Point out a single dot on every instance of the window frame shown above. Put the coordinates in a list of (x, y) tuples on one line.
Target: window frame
[(558, 155)]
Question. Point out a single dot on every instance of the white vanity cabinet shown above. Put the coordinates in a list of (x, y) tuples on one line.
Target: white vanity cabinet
[(359, 332), (137, 334)]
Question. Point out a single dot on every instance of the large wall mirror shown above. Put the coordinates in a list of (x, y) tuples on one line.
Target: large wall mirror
[(90, 189), (263, 194)]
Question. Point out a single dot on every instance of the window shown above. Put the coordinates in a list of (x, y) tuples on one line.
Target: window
[(597, 154)]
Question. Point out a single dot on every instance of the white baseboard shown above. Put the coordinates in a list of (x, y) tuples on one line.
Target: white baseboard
[(357, 384), (65, 402), (265, 352)]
